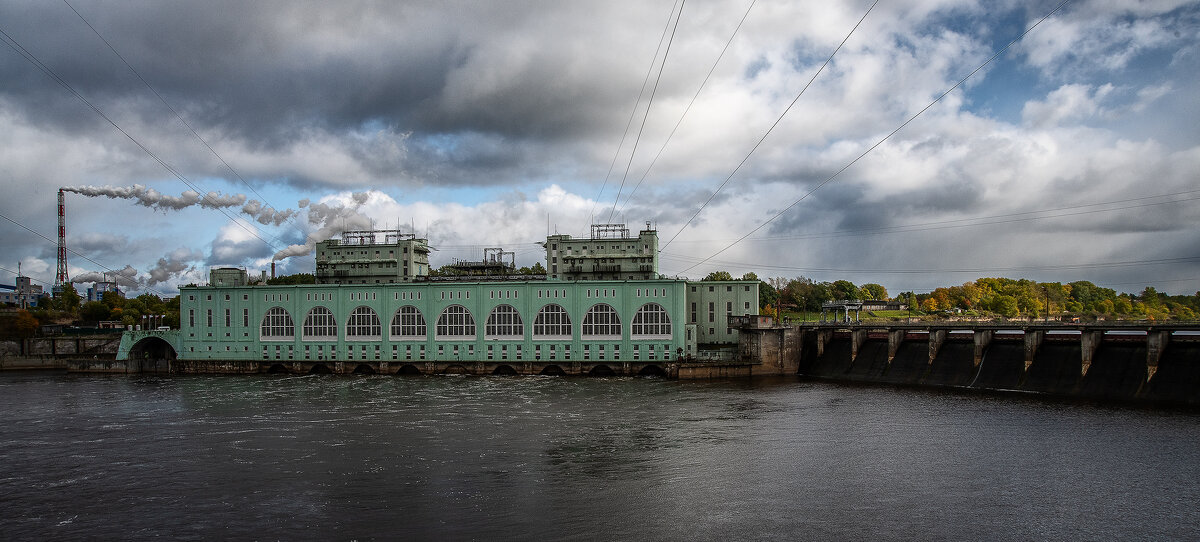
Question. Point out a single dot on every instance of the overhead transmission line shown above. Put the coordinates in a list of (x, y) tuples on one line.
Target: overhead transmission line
[(646, 116), (890, 271), (881, 141), (175, 112), (633, 113), (1024, 216), (772, 128), (689, 106), (72, 251), (32, 59)]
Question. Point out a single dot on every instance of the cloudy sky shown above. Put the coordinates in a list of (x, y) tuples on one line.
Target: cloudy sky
[(1072, 156)]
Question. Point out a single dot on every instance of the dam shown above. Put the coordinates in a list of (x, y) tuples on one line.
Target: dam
[(1125, 361)]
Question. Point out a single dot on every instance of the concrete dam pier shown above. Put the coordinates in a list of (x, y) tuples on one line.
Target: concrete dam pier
[(1129, 362)]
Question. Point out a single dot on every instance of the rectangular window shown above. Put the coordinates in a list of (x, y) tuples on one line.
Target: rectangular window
[(711, 311), (191, 317), (228, 318), (209, 318)]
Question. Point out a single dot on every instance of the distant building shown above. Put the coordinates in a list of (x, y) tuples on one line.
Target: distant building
[(23, 294), (97, 291), (372, 257), (882, 305), (609, 254)]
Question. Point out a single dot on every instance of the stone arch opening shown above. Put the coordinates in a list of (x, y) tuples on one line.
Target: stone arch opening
[(602, 370), (455, 370), (655, 371), (152, 348), (278, 369), (320, 369), (408, 369), (363, 369), (553, 370), (505, 370)]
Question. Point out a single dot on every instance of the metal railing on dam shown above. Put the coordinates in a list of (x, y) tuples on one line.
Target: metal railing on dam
[(1140, 360)]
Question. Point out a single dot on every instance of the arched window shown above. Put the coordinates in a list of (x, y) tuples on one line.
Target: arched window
[(504, 322), (651, 322), (455, 323), (277, 325), (408, 323), (363, 324), (319, 324), (552, 322), (602, 321)]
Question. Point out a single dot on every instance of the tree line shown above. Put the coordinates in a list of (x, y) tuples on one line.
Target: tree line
[(984, 297)]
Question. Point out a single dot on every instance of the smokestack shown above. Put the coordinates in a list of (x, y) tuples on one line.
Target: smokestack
[(61, 277), (264, 276), (272, 269)]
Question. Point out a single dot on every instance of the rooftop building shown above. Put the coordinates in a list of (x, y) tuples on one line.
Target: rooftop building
[(611, 253), (372, 257)]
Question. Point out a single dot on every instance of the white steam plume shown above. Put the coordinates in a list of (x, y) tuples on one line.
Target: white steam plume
[(124, 277), (330, 220), (173, 265), (154, 199)]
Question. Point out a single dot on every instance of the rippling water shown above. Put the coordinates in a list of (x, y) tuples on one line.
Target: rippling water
[(202, 458)]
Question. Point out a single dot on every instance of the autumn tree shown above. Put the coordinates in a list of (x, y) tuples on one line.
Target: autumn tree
[(17, 324), (874, 291), (718, 275)]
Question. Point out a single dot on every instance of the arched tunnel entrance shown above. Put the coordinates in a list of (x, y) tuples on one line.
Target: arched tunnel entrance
[(152, 354)]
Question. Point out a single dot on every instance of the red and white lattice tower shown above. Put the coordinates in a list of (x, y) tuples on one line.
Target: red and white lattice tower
[(61, 277)]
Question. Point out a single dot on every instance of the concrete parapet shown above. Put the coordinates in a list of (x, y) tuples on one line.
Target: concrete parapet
[(1088, 342), (823, 337), (936, 338), (1033, 340), (983, 338), (1156, 342), (857, 338), (895, 338)]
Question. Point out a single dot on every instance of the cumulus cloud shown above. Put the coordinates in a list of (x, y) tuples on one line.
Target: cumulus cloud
[(474, 124)]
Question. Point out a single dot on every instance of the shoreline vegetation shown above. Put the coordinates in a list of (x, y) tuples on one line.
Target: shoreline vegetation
[(795, 300)]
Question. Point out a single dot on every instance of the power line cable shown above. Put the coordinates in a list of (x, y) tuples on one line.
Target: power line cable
[(72, 251), (772, 128), (688, 108), (885, 138), (646, 116), (176, 113), (1025, 216), (633, 113), (1094, 265), (31, 58)]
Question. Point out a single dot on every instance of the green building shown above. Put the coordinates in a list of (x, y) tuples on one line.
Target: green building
[(372, 257), (609, 254), (422, 324)]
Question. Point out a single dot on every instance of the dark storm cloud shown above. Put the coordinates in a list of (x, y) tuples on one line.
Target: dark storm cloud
[(274, 70)]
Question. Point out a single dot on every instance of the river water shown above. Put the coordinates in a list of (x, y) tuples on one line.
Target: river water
[(494, 458)]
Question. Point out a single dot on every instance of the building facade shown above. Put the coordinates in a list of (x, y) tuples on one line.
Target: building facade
[(23, 294), (609, 254), (372, 257), (458, 321), (384, 308)]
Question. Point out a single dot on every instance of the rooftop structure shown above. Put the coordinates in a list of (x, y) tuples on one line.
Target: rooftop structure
[(610, 253), (493, 264), (372, 257)]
